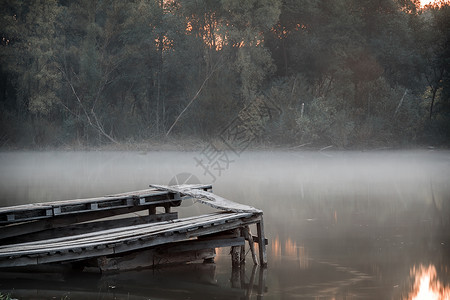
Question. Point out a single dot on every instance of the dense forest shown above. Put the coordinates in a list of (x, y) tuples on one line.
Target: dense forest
[(347, 73)]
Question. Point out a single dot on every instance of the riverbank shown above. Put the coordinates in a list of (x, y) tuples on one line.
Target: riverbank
[(197, 144)]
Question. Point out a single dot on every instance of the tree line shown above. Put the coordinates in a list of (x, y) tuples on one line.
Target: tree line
[(347, 73)]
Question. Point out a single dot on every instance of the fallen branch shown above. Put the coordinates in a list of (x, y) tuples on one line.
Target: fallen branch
[(192, 100), (400, 103), (97, 125)]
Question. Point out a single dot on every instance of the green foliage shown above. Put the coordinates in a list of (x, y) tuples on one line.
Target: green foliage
[(5, 296), (347, 73)]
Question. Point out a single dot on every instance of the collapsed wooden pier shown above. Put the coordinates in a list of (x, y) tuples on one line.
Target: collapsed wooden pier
[(76, 233)]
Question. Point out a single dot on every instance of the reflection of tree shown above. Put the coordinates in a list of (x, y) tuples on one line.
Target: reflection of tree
[(426, 284)]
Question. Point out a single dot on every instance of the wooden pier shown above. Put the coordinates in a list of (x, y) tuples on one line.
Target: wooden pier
[(98, 234)]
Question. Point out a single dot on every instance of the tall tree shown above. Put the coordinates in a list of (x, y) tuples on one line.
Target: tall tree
[(435, 42), (31, 39), (247, 24)]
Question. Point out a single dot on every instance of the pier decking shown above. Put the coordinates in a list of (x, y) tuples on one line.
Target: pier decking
[(75, 231)]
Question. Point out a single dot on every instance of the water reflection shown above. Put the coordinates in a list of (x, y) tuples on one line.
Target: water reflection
[(290, 250), (345, 226), (191, 281), (427, 285), (308, 277)]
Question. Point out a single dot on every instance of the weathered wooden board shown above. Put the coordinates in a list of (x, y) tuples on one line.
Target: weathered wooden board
[(149, 259), (120, 240), (15, 229), (173, 253), (82, 228), (208, 198), (124, 233), (142, 199)]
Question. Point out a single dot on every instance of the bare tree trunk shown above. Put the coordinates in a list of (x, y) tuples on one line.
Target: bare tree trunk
[(432, 101), (192, 100), (91, 117)]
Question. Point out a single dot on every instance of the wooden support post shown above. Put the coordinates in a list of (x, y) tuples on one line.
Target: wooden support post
[(242, 255), (235, 267), (242, 247), (235, 251), (262, 245), (248, 236), (152, 210), (235, 256)]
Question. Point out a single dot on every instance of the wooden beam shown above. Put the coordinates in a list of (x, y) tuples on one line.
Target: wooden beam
[(261, 246), (208, 198), (144, 198), (151, 258), (203, 244), (63, 220), (78, 229), (256, 240)]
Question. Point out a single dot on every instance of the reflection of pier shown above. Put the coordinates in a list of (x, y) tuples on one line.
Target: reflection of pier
[(255, 285), (76, 232), (194, 281)]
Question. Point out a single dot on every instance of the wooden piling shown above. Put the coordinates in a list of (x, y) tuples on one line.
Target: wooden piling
[(235, 256), (262, 243), (248, 236), (242, 255)]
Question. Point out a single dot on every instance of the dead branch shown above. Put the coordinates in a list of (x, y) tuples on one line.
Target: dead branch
[(192, 100)]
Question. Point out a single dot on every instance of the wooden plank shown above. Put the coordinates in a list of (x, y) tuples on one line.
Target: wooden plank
[(63, 220), (145, 241), (150, 192), (78, 229), (20, 212), (24, 207), (174, 253), (35, 211), (103, 235), (203, 244), (256, 240), (173, 238), (151, 258), (208, 198), (116, 235)]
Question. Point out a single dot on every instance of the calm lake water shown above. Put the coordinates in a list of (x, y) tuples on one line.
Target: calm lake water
[(341, 225)]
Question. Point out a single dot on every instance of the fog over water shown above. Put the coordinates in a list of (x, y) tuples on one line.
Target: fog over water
[(341, 225)]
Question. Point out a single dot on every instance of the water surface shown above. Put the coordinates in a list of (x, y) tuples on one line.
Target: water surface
[(341, 225)]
